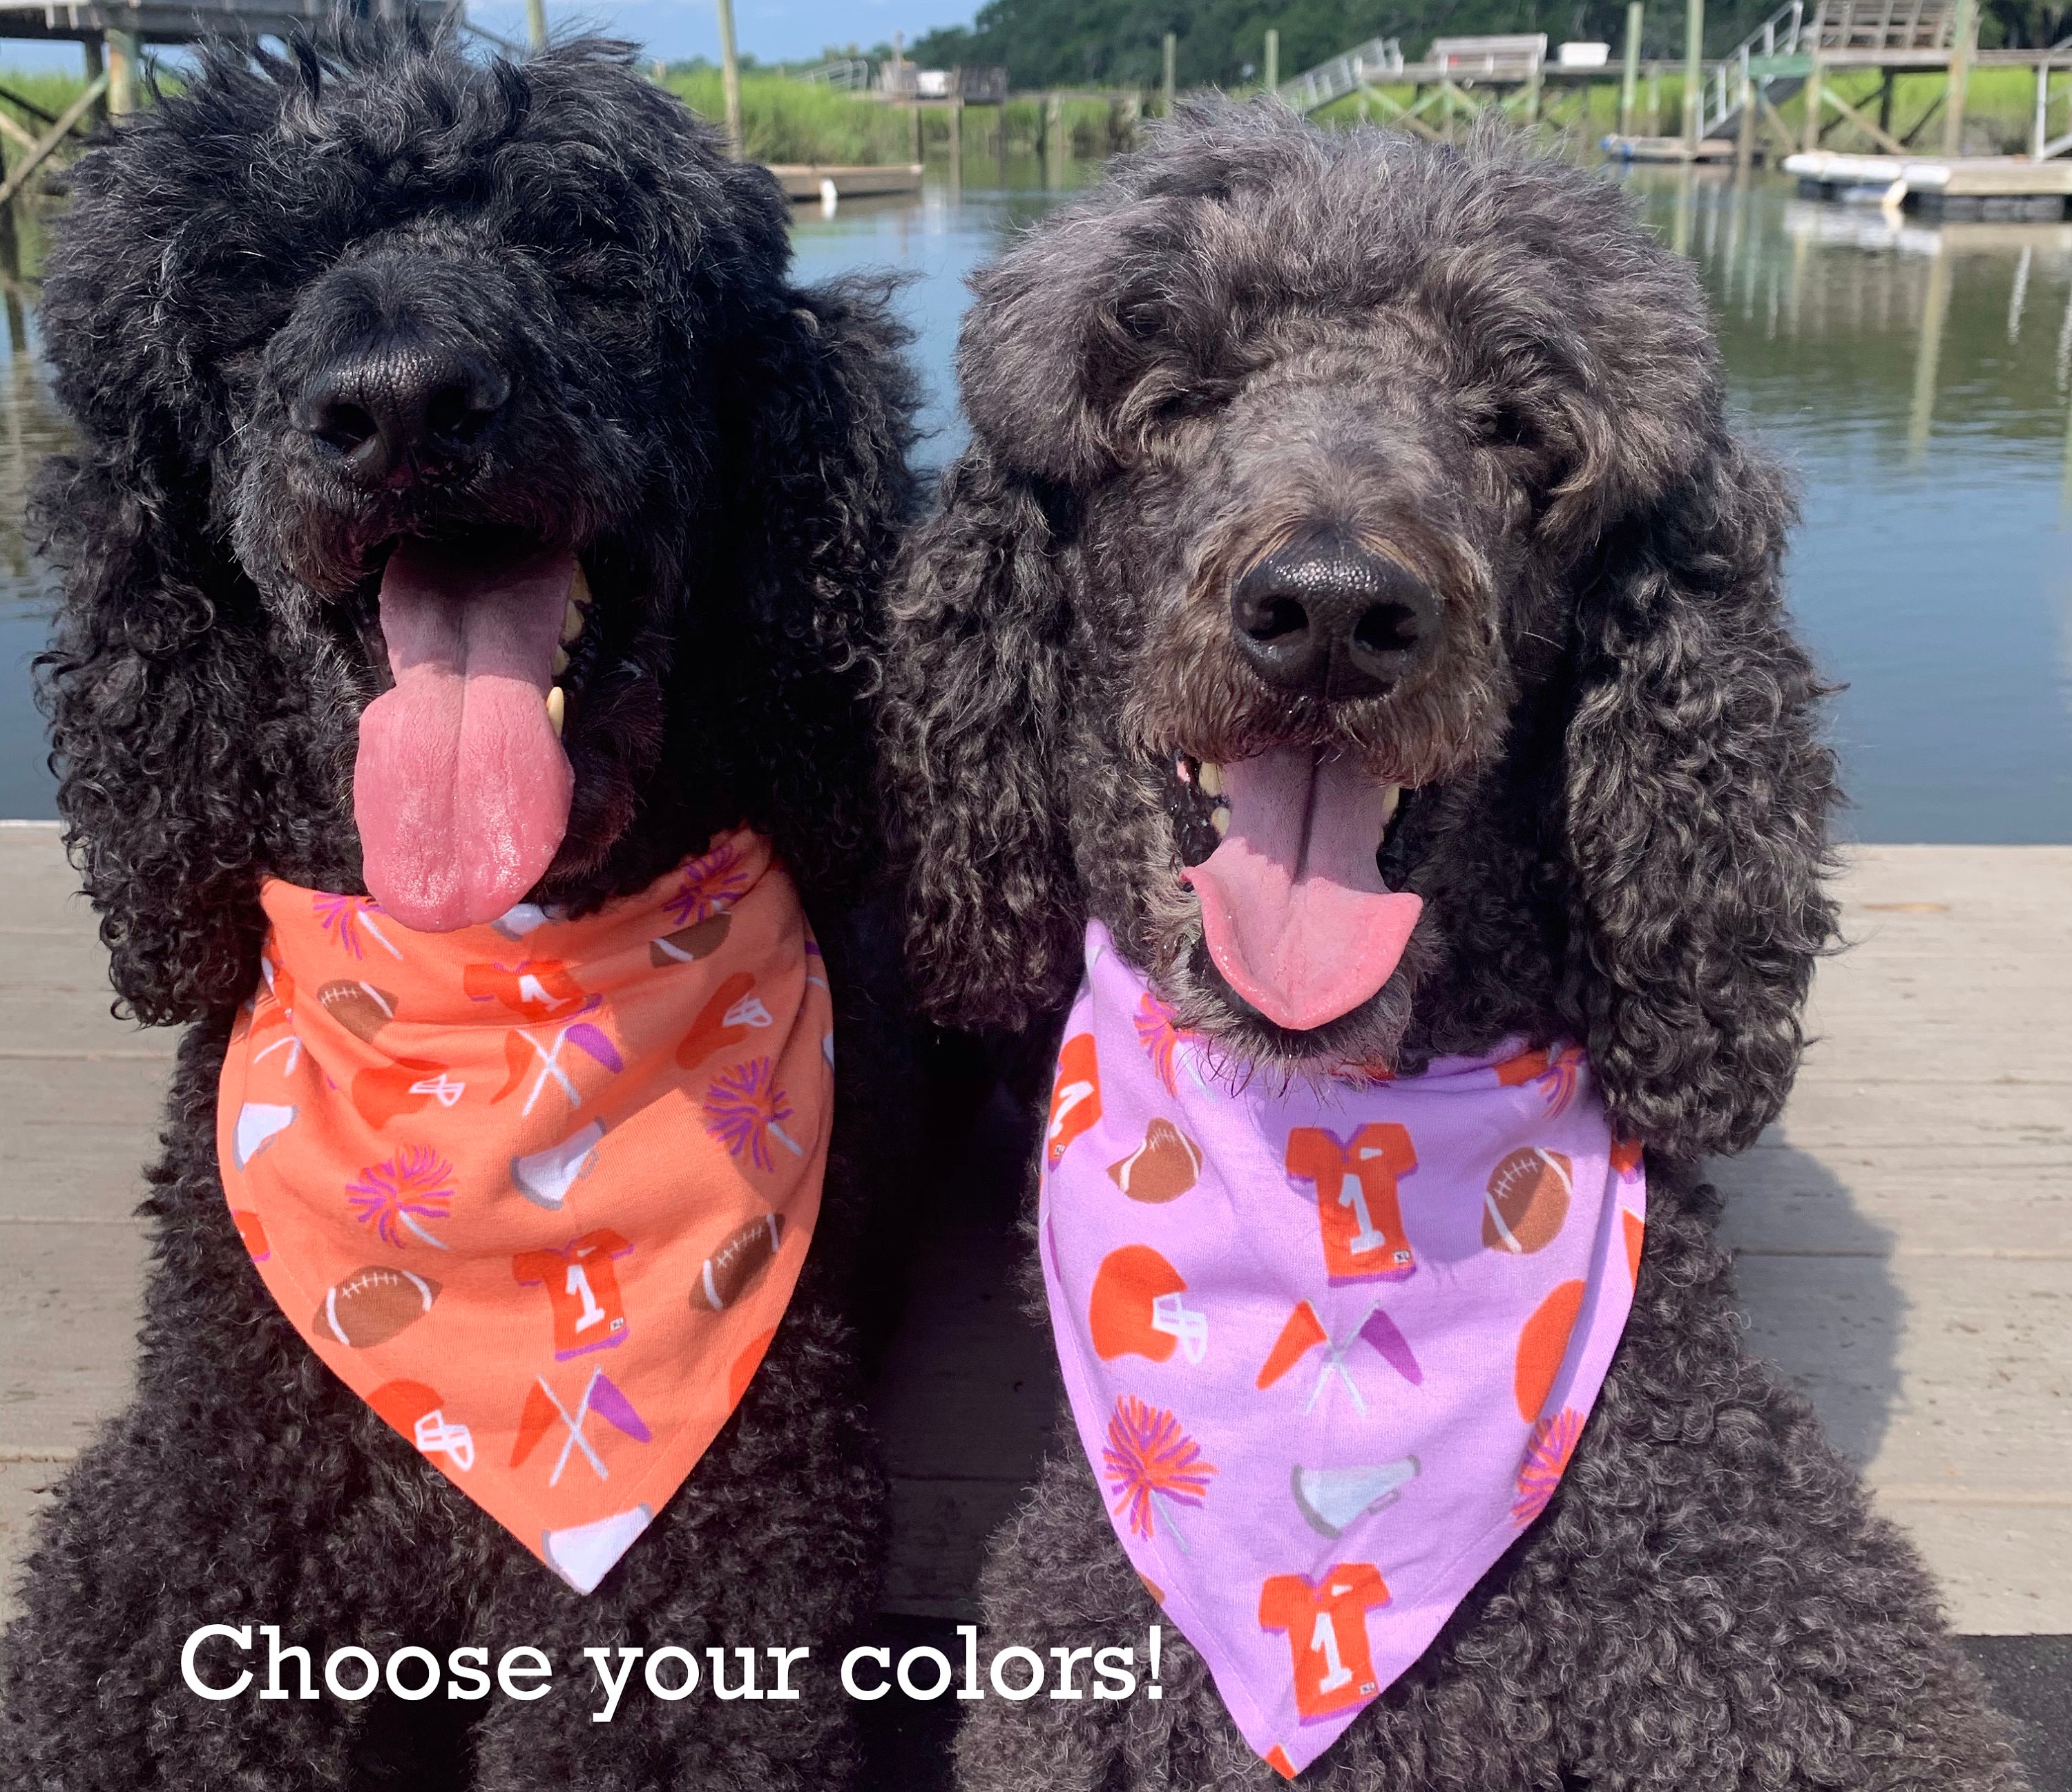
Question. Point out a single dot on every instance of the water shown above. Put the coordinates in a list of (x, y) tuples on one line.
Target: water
[(1917, 377)]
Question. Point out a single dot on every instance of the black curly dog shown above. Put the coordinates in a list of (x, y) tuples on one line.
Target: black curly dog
[(727, 453), (1264, 355)]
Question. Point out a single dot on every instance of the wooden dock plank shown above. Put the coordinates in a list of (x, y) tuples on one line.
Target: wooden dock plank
[(1905, 1235)]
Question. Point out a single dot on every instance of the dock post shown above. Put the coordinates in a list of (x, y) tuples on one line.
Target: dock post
[(535, 23), (2042, 135), (1630, 76), (1694, 75), (1054, 140), (10, 262), (96, 67), (1810, 138), (1172, 67), (730, 75), (956, 138), (1744, 132), (1655, 99), (1272, 60), (122, 50), (1532, 92), (1963, 41)]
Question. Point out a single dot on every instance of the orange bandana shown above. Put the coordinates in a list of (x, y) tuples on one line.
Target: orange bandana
[(539, 1191)]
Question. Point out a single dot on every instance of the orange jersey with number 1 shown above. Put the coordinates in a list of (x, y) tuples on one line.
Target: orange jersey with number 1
[(583, 1287), (1325, 1621), (1357, 1210)]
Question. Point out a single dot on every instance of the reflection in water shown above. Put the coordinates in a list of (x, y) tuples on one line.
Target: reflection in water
[(1918, 377), (30, 427)]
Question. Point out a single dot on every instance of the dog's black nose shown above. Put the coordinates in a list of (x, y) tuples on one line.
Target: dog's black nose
[(1324, 617), (400, 412)]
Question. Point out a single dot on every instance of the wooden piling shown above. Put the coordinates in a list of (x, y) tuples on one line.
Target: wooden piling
[(729, 74), (1272, 59), (122, 57), (95, 67), (1810, 132), (1694, 74), (1744, 130), (1172, 66), (956, 137), (535, 23), (1963, 40), (1629, 75)]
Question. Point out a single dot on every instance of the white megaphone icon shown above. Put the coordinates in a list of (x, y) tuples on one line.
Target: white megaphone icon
[(1331, 1498), (546, 1177)]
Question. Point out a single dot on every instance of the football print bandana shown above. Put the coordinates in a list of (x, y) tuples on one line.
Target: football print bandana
[(1329, 1346), (538, 1192)]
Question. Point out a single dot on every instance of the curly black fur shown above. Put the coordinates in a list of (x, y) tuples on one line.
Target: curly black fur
[(1483, 367), (726, 452)]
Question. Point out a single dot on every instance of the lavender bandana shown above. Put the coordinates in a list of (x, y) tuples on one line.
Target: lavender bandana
[(1329, 1346)]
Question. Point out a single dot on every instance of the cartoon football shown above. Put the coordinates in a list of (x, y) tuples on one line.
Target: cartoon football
[(360, 1008), (687, 944), (372, 1305), (1527, 1201), (740, 1258), (1163, 1168)]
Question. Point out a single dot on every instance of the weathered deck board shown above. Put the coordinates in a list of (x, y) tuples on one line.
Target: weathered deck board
[(1905, 1234)]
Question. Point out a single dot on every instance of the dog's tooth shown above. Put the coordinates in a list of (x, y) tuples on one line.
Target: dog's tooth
[(579, 588), (1210, 778), (561, 660), (1393, 795), (558, 709), (572, 622), (1219, 820)]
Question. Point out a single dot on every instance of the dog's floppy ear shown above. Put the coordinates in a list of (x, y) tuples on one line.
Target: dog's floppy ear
[(158, 691), (1697, 791), (973, 699), (819, 491)]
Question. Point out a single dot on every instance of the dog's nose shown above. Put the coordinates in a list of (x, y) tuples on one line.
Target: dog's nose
[(1324, 617), (393, 414)]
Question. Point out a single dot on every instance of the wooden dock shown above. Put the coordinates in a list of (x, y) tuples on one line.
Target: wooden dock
[(811, 180), (1905, 1234)]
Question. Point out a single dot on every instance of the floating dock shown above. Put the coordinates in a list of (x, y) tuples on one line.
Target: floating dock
[(1998, 186), (809, 180), (1666, 149)]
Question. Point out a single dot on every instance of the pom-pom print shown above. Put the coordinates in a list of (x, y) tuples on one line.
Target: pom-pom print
[(401, 1193), (1151, 1462), (709, 885), (1547, 1454), (745, 1110)]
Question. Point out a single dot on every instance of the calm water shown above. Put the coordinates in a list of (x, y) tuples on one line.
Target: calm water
[(1918, 378)]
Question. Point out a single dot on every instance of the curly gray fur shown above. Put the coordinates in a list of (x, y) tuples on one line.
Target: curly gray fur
[(1482, 366)]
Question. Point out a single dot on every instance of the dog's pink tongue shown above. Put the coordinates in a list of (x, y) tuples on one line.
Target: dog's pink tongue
[(462, 790), (1293, 907)]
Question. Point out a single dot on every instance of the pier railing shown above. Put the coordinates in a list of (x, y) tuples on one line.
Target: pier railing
[(1373, 60)]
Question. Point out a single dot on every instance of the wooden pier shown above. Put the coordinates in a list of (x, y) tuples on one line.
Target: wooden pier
[(1905, 1234)]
